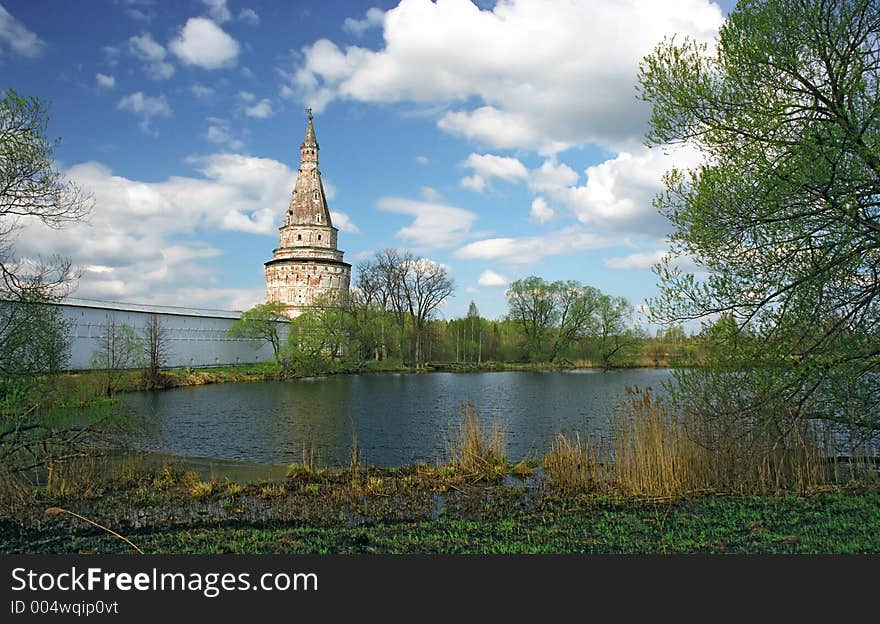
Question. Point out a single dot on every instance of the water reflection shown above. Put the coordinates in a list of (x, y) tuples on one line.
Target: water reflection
[(398, 419)]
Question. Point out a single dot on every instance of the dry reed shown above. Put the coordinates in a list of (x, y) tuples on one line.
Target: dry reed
[(475, 454), (652, 453), (55, 511), (572, 465), (655, 451)]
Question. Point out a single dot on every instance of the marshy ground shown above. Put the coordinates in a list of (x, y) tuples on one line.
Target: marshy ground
[(425, 510)]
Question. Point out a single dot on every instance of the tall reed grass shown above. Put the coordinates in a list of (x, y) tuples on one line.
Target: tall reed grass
[(572, 465), (652, 450), (477, 454)]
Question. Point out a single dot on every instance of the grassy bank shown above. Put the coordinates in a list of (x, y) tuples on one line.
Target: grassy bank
[(87, 388)]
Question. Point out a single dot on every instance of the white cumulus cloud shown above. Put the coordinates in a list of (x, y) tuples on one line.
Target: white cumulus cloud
[(434, 226), (145, 107), (220, 132), (144, 240), (529, 249), (105, 81), (260, 110), (343, 222), (429, 193), (371, 19), (488, 166), (151, 52), (146, 48), (619, 192), (541, 212), (202, 91), (642, 260), (249, 16), (203, 43), (16, 37), (551, 175), (557, 74), (490, 278), (217, 10)]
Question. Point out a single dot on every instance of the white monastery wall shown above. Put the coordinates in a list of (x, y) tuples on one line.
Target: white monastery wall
[(195, 337)]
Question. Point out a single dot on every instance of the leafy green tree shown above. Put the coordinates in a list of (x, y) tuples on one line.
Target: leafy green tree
[(532, 306), (262, 322), (577, 306), (784, 214), (306, 352), (551, 315), (33, 333), (31, 187), (612, 315), (475, 330), (34, 337)]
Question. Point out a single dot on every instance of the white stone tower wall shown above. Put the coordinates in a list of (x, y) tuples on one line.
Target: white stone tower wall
[(301, 284), (307, 268), (309, 236)]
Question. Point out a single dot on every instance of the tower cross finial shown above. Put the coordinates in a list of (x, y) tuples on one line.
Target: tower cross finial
[(309, 111)]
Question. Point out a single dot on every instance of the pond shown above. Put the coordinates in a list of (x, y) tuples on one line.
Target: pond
[(398, 419)]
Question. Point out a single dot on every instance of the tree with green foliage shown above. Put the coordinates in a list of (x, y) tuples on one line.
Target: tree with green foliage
[(612, 316), (307, 350), (532, 306), (784, 213), (33, 333), (262, 322), (34, 337), (553, 315), (31, 187)]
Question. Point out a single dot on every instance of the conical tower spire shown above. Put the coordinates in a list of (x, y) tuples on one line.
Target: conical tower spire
[(308, 204), (310, 140)]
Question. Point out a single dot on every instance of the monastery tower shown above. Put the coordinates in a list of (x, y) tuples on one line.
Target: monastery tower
[(307, 268)]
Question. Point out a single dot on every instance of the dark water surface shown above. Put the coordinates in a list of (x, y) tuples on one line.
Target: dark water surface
[(398, 419)]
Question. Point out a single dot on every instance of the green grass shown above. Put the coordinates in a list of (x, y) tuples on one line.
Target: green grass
[(831, 522)]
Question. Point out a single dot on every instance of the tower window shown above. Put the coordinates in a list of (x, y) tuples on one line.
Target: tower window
[(299, 237), (319, 237), (317, 218)]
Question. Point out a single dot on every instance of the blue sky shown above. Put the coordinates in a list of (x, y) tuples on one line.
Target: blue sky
[(500, 140)]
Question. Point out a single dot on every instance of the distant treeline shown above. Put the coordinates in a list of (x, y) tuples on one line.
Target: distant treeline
[(389, 318)]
